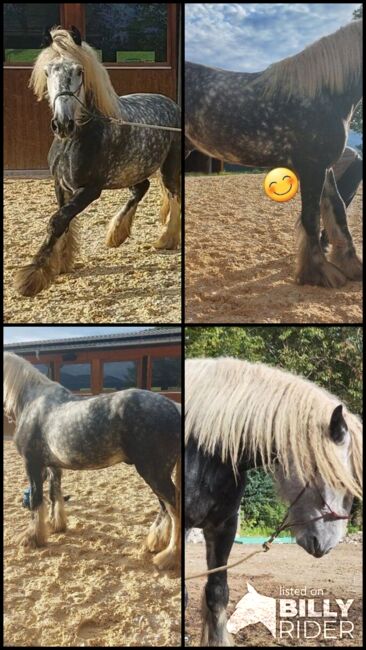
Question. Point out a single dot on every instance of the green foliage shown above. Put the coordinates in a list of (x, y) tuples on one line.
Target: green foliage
[(328, 356)]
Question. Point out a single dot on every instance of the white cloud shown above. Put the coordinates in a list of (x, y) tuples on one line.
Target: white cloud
[(249, 37)]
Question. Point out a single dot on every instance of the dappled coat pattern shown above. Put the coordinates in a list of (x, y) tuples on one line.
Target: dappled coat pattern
[(295, 114), (96, 149), (56, 430)]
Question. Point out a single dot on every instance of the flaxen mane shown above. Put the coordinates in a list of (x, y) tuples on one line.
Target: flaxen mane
[(96, 79), (17, 373), (332, 62), (232, 404)]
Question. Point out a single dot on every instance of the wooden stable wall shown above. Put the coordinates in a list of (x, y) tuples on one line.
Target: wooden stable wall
[(97, 356), (27, 133)]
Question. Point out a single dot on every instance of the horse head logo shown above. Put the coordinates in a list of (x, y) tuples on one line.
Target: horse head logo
[(253, 608)]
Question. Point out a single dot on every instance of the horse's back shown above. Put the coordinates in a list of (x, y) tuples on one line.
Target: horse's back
[(106, 429), (150, 108)]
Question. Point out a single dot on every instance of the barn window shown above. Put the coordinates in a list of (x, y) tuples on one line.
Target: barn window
[(128, 33), (45, 369), (24, 24), (76, 377), (118, 375), (166, 373)]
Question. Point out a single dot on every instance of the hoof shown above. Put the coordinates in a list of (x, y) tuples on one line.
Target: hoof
[(57, 527), (349, 263), (158, 539), (168, 242), (31, 540), (116, 236), (32, 279), (166, 560), (324, 275)]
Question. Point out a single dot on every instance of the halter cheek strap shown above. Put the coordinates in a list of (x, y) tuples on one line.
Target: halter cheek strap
[(331, 515), (69, 93)]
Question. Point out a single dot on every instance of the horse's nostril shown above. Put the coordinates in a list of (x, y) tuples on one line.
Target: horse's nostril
[(71, 125), (54, 126)]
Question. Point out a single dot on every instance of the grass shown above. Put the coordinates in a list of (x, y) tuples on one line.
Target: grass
[(265, 531), (261, 531)]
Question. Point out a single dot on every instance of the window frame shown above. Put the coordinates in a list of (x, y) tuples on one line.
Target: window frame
[(105, 391), (74, 14), (86, 392)]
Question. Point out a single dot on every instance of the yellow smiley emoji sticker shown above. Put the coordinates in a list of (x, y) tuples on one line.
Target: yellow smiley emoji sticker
[(281, 184)]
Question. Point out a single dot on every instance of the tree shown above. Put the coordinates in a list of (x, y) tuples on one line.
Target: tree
[(328, 356)]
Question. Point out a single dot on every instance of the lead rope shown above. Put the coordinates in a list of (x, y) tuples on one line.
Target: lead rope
[(331, 516)]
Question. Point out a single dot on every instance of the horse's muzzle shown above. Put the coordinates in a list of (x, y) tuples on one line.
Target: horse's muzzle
[(64, 129)]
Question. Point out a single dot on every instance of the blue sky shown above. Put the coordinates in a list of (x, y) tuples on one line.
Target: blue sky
[(249, 37), (20, 334)]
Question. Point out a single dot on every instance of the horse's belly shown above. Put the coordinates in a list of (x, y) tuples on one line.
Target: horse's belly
[(127, 176), (254, 150), (70, 457)]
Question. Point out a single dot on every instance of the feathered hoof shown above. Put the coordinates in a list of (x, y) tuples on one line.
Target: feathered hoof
[(167, 560), (167, 241), (324, 275), (349, 263), (32, 540), (32, 279), (57, 526), (116, 235), (158, 538)]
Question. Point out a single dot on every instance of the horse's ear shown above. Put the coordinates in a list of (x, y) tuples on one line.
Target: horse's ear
[(76, 36), (337, 425), (46, 38)]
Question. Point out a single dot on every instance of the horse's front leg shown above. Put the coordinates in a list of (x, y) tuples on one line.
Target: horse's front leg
[(36, 534), (313, 268), (46, 264), (334, 215), (120, 226), (215, 597), (58, 515), (68, 244)]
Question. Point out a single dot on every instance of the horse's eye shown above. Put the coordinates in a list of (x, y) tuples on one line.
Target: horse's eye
[(78, 72)]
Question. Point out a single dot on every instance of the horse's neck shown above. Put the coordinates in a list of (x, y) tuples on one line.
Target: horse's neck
[(349, 99)]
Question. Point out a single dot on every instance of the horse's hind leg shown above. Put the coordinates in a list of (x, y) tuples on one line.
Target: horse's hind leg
[(58, 515), (164, 488), (334, 215), (219, 541), (160, 531), (120, 226), (313, 268), (170, 212), (36, 534)]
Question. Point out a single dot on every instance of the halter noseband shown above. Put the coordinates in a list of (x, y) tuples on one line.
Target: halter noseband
[(331, 515)]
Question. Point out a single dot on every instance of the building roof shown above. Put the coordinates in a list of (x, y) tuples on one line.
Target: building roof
[(153, 336)]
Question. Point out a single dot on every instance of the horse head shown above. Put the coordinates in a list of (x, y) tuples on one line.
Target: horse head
[(318, 511)]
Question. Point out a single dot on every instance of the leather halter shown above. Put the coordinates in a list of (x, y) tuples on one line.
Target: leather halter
[(69, 93), (331, 515)]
